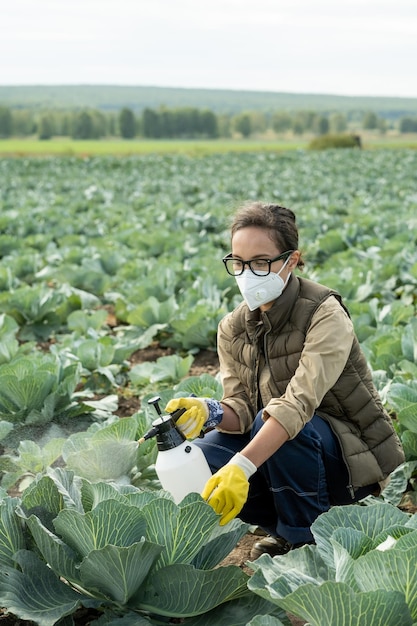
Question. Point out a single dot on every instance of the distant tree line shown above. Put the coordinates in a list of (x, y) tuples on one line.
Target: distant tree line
[(184, 123)]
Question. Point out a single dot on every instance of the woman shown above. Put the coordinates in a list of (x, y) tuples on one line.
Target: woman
[(300, 426)]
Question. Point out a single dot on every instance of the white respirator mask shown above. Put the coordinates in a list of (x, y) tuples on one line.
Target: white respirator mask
[(259, 290)]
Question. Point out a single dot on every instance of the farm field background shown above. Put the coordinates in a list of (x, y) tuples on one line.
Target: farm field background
[(103, 258), (139, 241), (153, 229), (116, 147)]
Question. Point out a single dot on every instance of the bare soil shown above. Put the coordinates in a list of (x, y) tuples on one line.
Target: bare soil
[(240, 556), (205, 362)]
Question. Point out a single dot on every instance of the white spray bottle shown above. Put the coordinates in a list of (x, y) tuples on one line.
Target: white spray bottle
[(180, 465)]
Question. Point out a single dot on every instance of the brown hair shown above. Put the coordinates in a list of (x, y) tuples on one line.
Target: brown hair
[(278, 220)]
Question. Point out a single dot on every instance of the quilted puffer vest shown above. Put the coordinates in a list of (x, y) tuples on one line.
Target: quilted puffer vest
[(352, 407)]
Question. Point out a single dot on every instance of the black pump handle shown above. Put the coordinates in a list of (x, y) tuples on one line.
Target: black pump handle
[(155, 400)]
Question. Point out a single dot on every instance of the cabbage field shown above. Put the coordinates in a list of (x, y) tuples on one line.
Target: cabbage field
[(103, 257)]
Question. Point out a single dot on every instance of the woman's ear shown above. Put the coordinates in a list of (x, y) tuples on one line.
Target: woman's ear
[(294, 258)]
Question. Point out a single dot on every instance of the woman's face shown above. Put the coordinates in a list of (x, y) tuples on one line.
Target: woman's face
[(253, 242)]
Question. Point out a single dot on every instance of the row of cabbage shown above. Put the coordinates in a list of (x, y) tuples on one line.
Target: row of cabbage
[(103, 257), (125, 556)]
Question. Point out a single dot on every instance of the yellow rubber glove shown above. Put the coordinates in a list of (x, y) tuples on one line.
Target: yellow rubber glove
[(201, 413), (227, 490)]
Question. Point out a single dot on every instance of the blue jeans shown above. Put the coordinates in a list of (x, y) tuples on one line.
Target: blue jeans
[(295, 485)]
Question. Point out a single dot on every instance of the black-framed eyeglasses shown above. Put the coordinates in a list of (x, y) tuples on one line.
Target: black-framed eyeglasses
[(236, 267)]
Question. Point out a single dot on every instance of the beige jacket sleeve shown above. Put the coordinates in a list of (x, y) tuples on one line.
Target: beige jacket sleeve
[(326, 350)]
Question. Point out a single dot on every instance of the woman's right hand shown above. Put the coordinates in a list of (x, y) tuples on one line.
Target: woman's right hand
[(199, 414)]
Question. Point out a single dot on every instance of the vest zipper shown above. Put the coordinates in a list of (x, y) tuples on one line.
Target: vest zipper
[(256, 380), (266, 357), (266, 364), (266, 333)]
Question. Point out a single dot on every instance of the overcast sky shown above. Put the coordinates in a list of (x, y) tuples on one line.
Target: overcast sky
[(348, 47)]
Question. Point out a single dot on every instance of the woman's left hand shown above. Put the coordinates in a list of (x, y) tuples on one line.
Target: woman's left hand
[(227, 490)]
